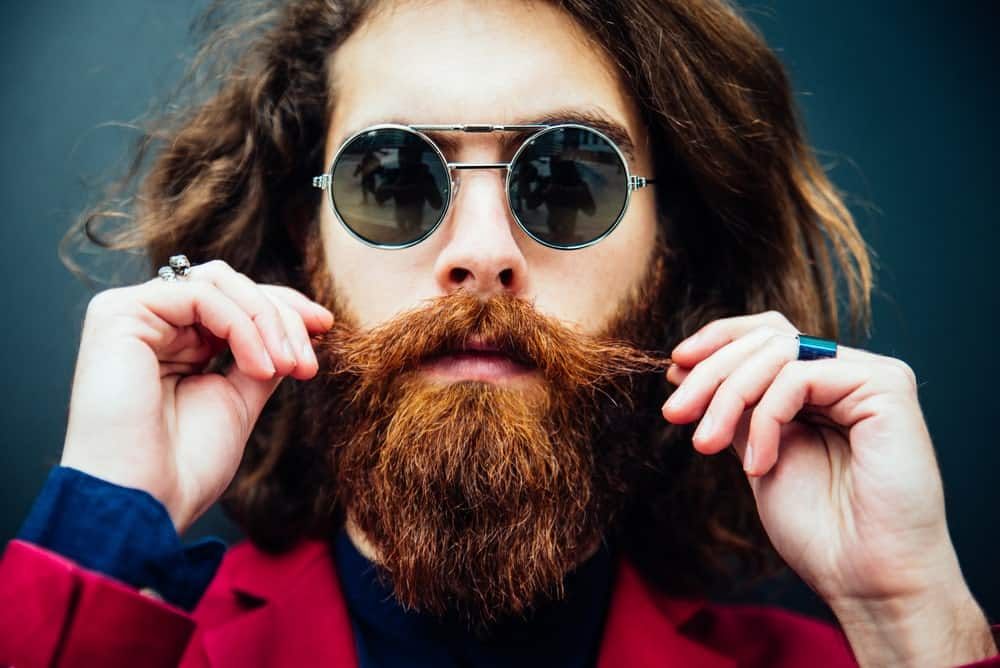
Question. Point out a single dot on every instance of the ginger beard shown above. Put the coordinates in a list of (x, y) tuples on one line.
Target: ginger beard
[(477, 497)]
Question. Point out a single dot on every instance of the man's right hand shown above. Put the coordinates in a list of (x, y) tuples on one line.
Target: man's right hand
[(142, 414)]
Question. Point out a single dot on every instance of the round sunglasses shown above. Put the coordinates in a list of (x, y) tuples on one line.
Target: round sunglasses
[(568, 185)]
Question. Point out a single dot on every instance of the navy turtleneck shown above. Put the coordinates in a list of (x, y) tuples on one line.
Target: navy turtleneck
[(557, 633)]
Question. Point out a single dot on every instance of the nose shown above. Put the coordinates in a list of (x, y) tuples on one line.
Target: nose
[(481, 252)]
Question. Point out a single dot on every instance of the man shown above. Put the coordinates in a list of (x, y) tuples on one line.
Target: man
[(474, 467)]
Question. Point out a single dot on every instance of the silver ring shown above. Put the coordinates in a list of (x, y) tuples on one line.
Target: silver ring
[(180, 264), (167, 274)]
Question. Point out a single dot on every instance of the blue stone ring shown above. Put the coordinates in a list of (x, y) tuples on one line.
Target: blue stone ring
[(811, 348)]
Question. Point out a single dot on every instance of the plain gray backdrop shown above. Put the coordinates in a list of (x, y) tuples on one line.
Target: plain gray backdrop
[(898, 96)]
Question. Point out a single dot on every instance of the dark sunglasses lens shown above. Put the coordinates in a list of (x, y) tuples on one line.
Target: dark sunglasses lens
[(390, 187), (568, 187)]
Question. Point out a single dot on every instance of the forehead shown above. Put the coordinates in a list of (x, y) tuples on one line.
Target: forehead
[(472, 61)]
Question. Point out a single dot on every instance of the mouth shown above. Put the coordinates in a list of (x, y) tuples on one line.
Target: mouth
[(476, 359)]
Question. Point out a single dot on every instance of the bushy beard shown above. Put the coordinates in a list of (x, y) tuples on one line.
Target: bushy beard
[(478, 498)]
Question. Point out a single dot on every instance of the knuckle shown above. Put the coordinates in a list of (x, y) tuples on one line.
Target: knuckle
[(105, 302), (274, 293), (768, 334), (277, 291), (207, 297), (710, 327), (790, 372), (902, 374), (245, 279), (784, 345), (711, 331), (100, 300), (777, 320), (267, 309), (216, 265), (289, 314)]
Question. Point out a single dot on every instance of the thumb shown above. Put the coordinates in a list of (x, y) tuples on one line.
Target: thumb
[(254, 392)]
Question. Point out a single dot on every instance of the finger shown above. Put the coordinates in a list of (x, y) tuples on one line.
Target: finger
[(306, 365), (183, 304), (317, 318), (676, 373), (741, 389), (838, 387), (718, 333), (251, 299), (689, 401)]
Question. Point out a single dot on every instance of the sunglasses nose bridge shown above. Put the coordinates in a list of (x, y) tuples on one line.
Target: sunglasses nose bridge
[(455, 173)]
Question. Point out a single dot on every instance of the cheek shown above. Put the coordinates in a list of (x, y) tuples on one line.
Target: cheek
[(586, 287), (374, 284)]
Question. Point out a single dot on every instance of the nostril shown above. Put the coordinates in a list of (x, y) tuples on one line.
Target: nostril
[(506, 277), (458, 275)]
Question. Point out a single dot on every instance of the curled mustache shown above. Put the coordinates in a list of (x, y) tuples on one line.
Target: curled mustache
[(565, 357)]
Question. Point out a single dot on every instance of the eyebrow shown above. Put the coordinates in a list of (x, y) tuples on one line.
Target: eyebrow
[(509, 140)]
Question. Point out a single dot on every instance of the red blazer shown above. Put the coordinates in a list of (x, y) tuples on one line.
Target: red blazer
[(288, 611)]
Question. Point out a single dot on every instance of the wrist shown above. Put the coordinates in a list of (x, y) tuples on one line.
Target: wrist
[(942, 628)]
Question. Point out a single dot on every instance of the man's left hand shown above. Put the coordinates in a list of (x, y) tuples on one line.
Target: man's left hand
[(847, 486)]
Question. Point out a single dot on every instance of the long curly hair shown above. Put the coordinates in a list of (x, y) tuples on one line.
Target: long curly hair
[(752, 221)]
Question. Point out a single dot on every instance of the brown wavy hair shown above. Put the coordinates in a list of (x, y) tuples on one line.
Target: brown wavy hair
[(752, 221)]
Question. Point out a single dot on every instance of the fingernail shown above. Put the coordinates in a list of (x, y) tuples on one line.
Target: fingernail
[(748, 458), (687, 343), (677, 397), (266, 361), (308, 352), (666, 374), (705, 427), (286, 347)]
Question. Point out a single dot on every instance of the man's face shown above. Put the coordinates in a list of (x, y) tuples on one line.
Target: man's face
[(453, 61), (480, 495)]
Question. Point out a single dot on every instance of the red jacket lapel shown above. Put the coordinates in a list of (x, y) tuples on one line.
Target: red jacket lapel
[(298, 617), (300, 620), (641, 630)]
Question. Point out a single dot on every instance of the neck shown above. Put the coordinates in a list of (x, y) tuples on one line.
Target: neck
[(360, 540)]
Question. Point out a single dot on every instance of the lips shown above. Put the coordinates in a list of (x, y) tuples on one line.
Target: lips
[(476, 359)]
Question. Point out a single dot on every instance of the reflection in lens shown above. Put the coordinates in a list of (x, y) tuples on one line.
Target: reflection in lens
[(568, 186), (389, 186)]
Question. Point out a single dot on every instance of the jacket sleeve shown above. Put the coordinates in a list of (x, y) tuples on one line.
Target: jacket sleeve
[(122, 532), (55, 613), (70, 585)]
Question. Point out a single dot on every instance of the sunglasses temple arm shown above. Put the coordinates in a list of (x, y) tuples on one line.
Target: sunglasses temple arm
[(636, 182)]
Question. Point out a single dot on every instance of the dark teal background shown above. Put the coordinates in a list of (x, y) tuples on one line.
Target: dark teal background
[(899, 97)]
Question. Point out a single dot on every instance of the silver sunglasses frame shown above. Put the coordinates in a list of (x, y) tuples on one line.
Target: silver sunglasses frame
[(325, 181)]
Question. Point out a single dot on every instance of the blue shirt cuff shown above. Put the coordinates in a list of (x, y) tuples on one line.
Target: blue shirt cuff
[(121, 532)]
